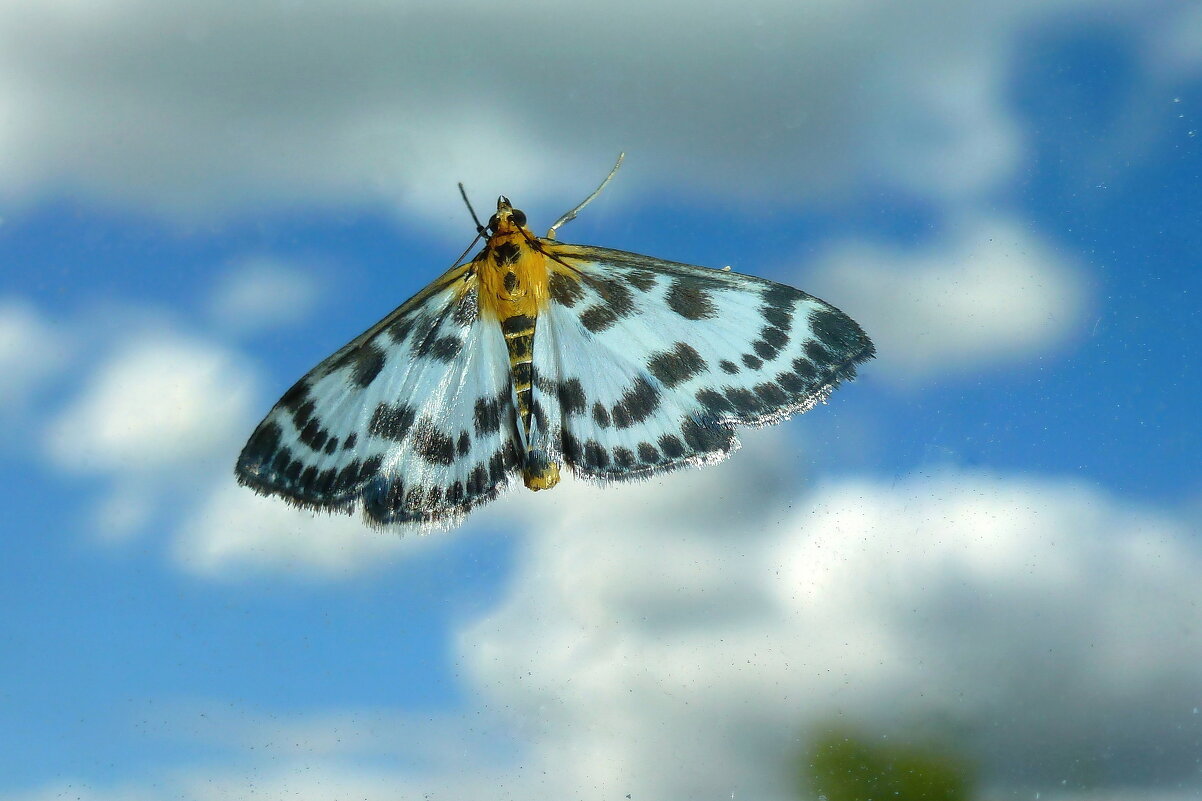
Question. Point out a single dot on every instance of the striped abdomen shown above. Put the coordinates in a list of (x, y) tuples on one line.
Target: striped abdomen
[(519, 339), (518, 279)]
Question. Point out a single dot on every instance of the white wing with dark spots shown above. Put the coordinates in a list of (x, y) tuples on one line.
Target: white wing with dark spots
[(413, 421), (644, 365)]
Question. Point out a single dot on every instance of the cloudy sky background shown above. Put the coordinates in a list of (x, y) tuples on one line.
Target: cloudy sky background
[(988, 542)]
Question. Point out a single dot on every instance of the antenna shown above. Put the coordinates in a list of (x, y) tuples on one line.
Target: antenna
[(571, 215), (479, 227)]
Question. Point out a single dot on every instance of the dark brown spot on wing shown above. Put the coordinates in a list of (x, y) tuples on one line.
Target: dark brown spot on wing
[(295, 395), (771, 395), (571, 397), (714, 402), (805, 369), (430, 443), (764, 350), (262, 444), (445, 349), (676, 366), (487, 416), (671, 445), (623, 457), (690, 301), (564, 290), (837, 331), (636, 405), (745, 402), (642, 280), (774, 336), (703, 438), (600, 415), (571, 447), (615, 295), (368, 361), (596, 457), (598, 318), (817, 353), (391, 421)]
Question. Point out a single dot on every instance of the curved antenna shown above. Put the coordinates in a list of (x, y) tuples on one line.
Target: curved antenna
[(479, 227), (571, 215)]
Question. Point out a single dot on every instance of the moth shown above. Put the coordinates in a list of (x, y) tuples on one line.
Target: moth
[(537, 356)]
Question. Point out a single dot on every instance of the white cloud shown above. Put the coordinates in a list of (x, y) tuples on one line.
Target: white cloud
[(32, 349), (234, 531), (653, 647), (160, 401), (987, 292), (157, 416), (221, 105), (1176, 46), (162, 418), (262, 292), (1038, 623)]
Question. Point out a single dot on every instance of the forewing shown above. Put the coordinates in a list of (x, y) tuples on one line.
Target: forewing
[(644, 365), (413, 420)]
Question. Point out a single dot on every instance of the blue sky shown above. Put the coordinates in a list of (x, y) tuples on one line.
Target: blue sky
[(990, 538)]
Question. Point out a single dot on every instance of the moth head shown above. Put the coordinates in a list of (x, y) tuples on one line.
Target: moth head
[(507, 217)]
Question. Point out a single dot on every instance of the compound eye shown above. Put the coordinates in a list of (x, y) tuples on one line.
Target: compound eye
[(518, 217), (493, 222)]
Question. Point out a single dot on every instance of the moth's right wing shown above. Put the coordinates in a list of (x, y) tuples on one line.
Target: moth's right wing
[(645, 365), (414, 420)]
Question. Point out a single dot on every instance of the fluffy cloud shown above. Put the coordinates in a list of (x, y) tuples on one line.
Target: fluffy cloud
[(1044, 626), (31, 350), (160, 413), (1177, 46), (234, 531), (658, 644), (216, 106), (262, 292), (157, 402), (989, 291)]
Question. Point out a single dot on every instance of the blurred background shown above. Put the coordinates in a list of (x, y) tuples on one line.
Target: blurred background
[(975, 574)]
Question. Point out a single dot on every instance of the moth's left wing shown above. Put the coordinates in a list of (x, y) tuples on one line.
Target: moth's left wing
[(414, 421), (644, 365)]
